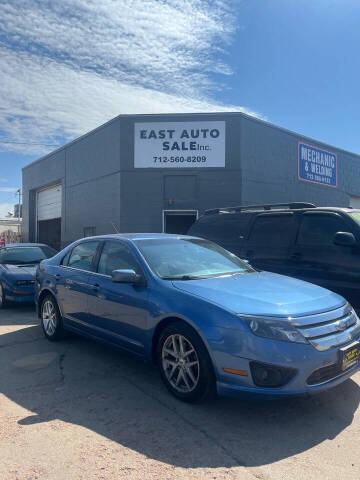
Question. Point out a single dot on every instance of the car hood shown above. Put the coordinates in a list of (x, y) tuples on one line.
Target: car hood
[(263, 293), (26, 272)]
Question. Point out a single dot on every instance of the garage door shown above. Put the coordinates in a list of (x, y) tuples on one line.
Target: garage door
[(49, 216), (49, 203)]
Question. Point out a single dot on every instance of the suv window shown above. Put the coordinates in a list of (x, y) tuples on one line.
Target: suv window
[(273, 230), (116, 256), (223, 226), (319, 229), (82, 256)]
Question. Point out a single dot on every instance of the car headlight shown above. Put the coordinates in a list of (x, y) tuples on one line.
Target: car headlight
[(24, 282), (275, 329)]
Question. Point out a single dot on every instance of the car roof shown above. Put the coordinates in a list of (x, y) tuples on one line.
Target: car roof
[(140, 236), (255, 211), (25, 245)]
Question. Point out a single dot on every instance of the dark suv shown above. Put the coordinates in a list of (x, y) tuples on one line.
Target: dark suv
[(317, 244)]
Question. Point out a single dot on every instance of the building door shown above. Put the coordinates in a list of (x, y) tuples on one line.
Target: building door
[(178, 221), (48, 214)]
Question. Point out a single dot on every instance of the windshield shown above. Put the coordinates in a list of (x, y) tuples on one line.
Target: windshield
[(356, 216), (187, 259), (25, 255)]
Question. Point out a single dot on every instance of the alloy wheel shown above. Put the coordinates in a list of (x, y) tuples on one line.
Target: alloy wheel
[(49, 318), (180, 363)]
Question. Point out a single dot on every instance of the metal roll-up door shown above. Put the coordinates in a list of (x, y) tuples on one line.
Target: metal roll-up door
[(49, 203), (48, 212)]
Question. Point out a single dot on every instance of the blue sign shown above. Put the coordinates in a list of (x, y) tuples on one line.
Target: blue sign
[(316, 165)]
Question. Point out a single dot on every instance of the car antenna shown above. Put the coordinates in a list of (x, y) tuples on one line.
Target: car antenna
[(114, 227)]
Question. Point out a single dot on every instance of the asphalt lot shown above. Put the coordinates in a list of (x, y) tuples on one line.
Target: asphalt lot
[(79, 410)]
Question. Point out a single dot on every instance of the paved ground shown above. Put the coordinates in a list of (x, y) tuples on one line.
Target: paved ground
[(78, 410)]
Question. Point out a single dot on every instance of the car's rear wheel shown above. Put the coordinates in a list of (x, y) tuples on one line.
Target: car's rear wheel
[(51, 321), (185, 364), (3, 301)]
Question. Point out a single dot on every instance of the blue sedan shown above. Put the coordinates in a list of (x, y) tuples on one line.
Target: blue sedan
[(208, 320), (18, 262)]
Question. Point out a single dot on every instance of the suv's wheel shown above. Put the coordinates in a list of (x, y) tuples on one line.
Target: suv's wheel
[(51, 319), (184, 363), (3, 301)]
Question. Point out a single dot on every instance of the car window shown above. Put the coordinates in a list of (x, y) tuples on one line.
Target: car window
[(185, 258), (65, 260), (225, 226), (320, 229), (24, 255), (356, 216), (116, 256), (273, 230), (82, 256)]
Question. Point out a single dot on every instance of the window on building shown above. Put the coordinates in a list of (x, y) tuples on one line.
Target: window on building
[(319, 229), (273, 230), (117, 256), (82, 256)]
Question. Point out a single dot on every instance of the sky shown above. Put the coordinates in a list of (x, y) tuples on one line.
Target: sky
[(67, 67)]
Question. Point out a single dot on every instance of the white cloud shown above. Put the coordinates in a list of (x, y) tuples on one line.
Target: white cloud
[(68, 66), (8, 189)]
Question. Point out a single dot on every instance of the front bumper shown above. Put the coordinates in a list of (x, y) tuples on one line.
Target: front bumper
[(236, 353), (20, 294)]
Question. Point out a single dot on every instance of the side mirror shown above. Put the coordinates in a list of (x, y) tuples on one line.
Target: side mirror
[(125, 276), (345, 239)]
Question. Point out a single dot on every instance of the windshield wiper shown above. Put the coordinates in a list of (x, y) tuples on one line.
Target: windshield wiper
[(183, 277)]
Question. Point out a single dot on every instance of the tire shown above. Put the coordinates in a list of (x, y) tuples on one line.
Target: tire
[(51, 321), (184, 363), (3, 301)]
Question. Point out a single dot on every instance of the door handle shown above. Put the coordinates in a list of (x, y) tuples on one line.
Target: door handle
[(296, 256), (57, 277), (95, 286)]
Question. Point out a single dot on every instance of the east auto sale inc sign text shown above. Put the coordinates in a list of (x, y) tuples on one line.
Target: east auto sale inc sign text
[(179, 144)]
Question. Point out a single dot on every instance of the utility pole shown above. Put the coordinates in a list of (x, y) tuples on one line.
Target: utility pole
[(18, 192)]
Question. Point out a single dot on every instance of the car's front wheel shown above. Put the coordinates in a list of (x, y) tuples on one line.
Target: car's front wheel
[(184, 363), (51, 319), (3, 301)]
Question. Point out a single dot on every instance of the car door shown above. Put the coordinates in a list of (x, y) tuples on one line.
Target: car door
[(118, 311), (270, 239), (72, 281), (317, 259)]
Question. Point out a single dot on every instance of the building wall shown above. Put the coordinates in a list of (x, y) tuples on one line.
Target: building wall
[(269, 164), (89, 171), (146, 192), (101, 185)]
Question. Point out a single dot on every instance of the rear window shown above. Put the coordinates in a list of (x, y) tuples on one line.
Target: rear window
[(25, 255), (356, 216), (224, 226), (273, 230)]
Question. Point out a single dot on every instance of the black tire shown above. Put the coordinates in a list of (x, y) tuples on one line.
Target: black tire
[(49, 308), (204, 387), (3, 302)]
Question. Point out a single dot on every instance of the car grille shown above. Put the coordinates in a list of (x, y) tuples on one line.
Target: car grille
[(329, 329), (324, 374)]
